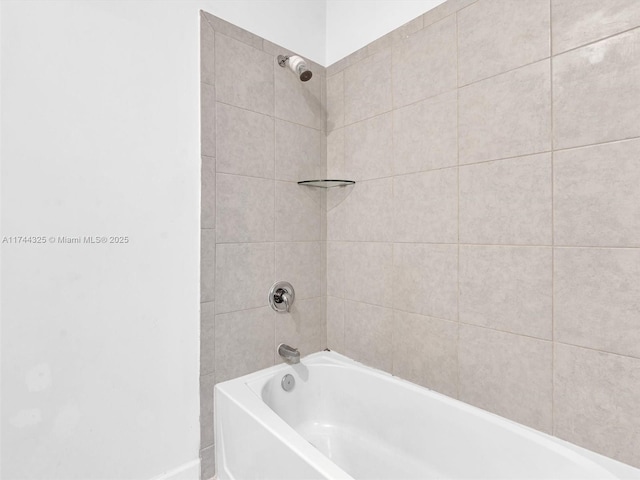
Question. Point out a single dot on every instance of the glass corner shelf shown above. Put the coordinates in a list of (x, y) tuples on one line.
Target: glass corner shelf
[(326, 183)]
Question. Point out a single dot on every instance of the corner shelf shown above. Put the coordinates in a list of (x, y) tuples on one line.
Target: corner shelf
[(326, 183)]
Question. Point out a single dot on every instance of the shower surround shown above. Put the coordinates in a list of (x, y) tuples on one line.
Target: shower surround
[(489, 249)]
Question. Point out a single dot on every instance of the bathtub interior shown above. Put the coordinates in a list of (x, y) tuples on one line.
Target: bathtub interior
[(373, 425)]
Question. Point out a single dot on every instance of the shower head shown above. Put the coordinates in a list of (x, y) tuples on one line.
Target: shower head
[(297, 65)]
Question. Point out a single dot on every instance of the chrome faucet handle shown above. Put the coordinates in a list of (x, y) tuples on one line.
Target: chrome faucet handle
[(281, 296)]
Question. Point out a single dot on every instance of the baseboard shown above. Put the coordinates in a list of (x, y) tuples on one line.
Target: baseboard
[(187, 471)]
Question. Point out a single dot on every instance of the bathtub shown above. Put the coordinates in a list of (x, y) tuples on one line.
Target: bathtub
[(343, 420)]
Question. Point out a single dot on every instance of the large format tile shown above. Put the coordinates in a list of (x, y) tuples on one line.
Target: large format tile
[(425, 279), (244, 342), (335, 101), (245, 209), (208, 193), (207, 338), (596, 402), (298, 213), (207, 120), (597, 298), (364, 214), (596, 92), (368, 330), (506, 115), (507, 202), (507, 374), (299, 102), (368, 273), (368, 148), (244, 274), (425, 135), (424, 64), (207, 264), (499, 35), (245, 142), (302, 327), (507, 288), (335, 154), (577, 22), (367, 87), (247, 77), (300, 263), (425, 351), (596, 195), (207, 431), (335, 324), (298, 152), (233, 31), (207, 51), (336, 265), (425, 207)]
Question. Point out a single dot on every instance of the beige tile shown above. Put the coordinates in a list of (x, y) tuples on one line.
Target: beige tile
[(247, 77), (298, 213), (507, 288), (299, 102), (302, 327), (424, 64), (368, 148), (208, 193), (233, 31), (367, 87), (244, 342), (425, 351), (596, 92), (207, 432), (364, 214), (335, 155), (577, 22), (207, 52), (499, 35), (245, 209), (368, 330), (244, 274), (207, 120), (298, 152), (596, 402), (207, 264), (597, 298), (425, 207), (425, 279), (424, 135), (368, 273), (336, 266), (335, 101), (207, 338), (301, 265), (507, 115), (444, 10), (208, 463), (506, 374), (245, 142), (604, 178), (507, 202), (335, 324)]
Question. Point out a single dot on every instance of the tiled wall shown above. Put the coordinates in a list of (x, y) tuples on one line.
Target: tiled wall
[(490, 248), (262, 131)]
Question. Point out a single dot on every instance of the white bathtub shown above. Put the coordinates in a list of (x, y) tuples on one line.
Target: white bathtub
[(343, 420)]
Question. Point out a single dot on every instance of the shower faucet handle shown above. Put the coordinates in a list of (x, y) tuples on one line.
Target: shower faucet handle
[(281, 296)]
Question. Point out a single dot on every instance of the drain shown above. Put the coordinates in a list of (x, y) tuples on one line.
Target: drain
[(288, 382)]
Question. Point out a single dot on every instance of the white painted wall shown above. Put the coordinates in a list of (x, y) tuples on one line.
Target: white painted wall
[(100, 136), (352, 24)]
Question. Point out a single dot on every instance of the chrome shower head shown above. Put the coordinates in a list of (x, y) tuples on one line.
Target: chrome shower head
[(297, 65)]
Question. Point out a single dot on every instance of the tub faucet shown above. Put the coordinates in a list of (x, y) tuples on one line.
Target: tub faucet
[(290, 354)]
